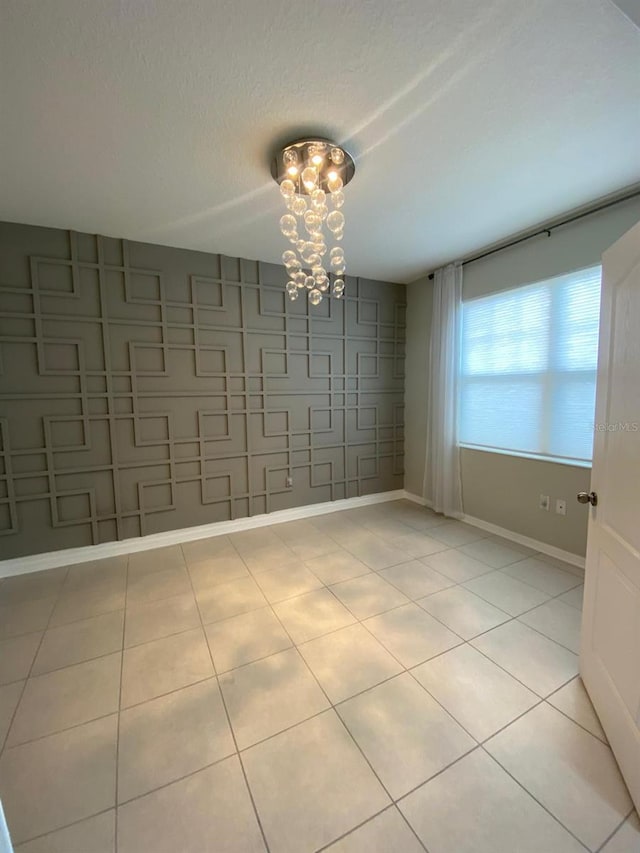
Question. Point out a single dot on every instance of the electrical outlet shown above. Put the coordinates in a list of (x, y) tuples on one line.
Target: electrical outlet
[(543, 503), (289, 482), (561, 506)]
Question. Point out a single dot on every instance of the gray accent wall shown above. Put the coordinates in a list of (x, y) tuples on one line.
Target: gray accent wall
[(145, 388)]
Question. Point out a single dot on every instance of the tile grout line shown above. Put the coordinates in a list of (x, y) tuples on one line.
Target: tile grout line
[(617, 829), (533, 797), (67, 826), (392, 807), (26, 680), (226, 711), (333, 708), (404, 669)]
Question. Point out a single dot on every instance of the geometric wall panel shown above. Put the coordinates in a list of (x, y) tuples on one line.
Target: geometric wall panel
[(145, 388)]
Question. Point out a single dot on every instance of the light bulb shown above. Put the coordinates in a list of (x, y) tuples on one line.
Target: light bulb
[(299, 205), (334, 182), (317, 150), (293, 171), (337, 198), (287, 188), (315, 296), (288, 225), (290, 157), (309, 178), (335, 221), (309, 282), (337, 156)]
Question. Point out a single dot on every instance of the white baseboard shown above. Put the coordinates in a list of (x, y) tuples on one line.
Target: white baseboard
[(418, 499), (518, 538), (71, 556)]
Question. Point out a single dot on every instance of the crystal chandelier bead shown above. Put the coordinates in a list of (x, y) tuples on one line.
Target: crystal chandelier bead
[(337, 199), (318, 198), (309, 282), (289, 257), (309, 177), (290, 157), (336, 252), (315, 296), (319, 273), (335, 221), (300, 278), (288, 225), (337, 155), (309, 254), (338, 288), (299, 205), (312, 221), (287, 188), (292, 287)]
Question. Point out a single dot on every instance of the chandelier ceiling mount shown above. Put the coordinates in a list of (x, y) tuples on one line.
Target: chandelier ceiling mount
[(312, 173)]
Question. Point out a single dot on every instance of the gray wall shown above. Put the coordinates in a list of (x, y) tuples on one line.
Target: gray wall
[(502, 489), (145, 388)]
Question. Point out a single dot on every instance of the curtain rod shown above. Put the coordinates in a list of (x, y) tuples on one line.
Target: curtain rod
[(549, 228)]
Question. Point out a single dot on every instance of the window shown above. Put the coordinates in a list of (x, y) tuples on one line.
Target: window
[(528, 368)]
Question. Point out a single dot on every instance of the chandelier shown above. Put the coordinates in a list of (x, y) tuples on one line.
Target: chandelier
[(311, 174)]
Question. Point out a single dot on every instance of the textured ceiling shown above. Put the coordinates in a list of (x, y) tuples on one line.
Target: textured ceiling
[(470, 121)]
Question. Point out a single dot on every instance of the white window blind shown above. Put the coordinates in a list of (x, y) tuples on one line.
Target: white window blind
[(528, 368)]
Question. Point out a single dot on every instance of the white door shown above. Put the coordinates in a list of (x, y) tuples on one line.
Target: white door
[(610, 652)]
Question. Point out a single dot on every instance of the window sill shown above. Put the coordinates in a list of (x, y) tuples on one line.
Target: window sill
[(574, 463)]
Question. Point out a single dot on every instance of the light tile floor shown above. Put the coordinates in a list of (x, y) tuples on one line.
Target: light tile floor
[(379, 679)]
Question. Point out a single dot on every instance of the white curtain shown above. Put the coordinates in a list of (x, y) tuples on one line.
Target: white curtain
[(442, 482)]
